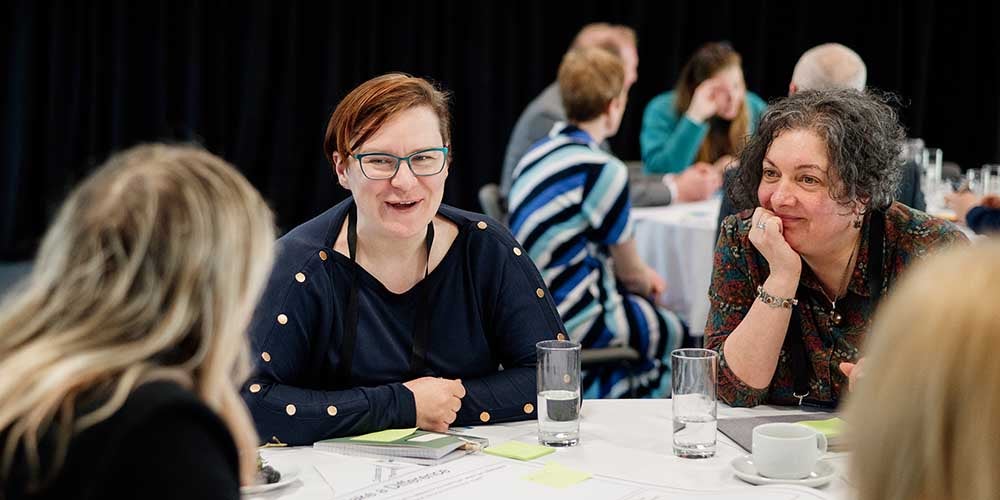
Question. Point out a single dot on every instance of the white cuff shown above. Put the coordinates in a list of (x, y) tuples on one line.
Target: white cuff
[(668, 180)]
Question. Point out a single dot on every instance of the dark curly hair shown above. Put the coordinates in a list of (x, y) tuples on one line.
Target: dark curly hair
[(863, 143)]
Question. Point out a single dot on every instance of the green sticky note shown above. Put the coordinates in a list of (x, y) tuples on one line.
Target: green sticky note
[(519, 450), (386, 436), (557, 476), (831, 427)]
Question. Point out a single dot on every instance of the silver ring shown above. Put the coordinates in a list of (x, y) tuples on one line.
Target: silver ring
[(761, 226)]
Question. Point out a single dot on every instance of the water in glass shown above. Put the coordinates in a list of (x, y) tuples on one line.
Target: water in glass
[(558, 417)]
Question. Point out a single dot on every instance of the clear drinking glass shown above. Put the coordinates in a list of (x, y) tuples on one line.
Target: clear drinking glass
[(991, 179), (976, 181), (694, 376), (932, 161), (913, 149), (934, 186), (558, 392)]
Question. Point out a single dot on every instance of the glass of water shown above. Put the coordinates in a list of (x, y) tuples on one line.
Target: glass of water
[(558, 392), (693, 378)]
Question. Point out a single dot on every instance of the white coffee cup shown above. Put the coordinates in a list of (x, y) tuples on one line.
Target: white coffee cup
[(786, 451)]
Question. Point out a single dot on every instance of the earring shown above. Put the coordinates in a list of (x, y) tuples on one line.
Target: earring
[(858, 222)]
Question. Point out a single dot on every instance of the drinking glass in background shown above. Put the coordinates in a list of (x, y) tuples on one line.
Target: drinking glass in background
[(558, 392), (935, 187), (932, 161), (976, 181), (913, 150), (991, 179), (694, 376)]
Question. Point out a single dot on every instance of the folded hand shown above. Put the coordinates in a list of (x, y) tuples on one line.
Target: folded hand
[(437, 400)]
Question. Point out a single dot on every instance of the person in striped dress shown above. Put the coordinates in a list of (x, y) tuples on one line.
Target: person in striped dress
[(569, 208)]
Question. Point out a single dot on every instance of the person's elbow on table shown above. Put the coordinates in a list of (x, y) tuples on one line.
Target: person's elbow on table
[(697, 182)]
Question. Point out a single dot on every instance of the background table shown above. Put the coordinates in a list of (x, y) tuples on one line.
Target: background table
[(626, 439), (678, 241)]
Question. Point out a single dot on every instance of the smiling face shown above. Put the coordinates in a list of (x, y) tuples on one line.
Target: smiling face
[(402, 206), (796, 183), (733, 91)]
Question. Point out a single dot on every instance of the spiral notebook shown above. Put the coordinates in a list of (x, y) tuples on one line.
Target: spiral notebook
[(408, 445)]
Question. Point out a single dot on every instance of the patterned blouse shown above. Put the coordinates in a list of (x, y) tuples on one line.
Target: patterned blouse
[(740, 268)]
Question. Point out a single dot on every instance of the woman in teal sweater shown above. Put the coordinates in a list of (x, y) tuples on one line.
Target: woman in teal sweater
[(706, 118)]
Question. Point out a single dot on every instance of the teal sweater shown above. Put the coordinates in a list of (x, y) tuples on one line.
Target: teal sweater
[(669, 144)]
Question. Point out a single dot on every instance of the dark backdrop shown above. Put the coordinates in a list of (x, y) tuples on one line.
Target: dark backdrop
[(255, 81)]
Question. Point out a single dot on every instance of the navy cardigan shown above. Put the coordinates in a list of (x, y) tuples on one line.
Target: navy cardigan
[(488, 307)]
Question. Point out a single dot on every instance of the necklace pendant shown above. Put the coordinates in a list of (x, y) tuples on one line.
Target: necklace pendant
[(835, 318)]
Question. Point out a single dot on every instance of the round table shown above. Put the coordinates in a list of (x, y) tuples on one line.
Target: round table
[(678, 241)]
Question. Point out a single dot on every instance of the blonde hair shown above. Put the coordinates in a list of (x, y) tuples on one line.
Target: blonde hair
[(149, 272), (922, 414), (589, 79)]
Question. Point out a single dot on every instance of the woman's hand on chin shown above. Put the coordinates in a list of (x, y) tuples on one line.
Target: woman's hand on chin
[(767, 236), (437, 401)]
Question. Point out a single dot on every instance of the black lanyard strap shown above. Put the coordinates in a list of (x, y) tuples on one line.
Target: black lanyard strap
[(418, 359), (798, 359)]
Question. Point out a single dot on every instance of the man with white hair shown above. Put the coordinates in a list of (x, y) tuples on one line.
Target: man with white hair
[(834, 66), (828, 66)]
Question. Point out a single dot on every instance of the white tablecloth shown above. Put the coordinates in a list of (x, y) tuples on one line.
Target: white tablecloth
[(630, 440), (678, 241)]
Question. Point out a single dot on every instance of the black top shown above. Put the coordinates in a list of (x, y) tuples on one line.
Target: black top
[(487, 308), (163, 443), (983, 220)]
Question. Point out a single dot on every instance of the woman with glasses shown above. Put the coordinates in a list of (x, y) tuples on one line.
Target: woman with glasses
[(391, 310), (569, 206)]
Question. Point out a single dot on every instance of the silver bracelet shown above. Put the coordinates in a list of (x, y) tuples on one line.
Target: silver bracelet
[(775, 302)]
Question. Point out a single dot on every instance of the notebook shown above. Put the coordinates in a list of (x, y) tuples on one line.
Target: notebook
[(741, 429), (410, 445)]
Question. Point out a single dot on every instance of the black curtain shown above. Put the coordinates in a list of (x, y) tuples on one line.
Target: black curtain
[(255, 80)]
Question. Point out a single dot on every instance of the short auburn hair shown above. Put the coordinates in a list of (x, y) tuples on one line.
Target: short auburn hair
[(366, 108), (589, 78)]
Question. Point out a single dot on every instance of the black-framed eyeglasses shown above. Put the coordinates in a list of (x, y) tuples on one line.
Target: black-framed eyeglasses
[(423, 163)]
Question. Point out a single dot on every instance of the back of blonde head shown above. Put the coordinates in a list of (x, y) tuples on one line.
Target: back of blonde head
[(589, 79), (150, 271), (922, 418)]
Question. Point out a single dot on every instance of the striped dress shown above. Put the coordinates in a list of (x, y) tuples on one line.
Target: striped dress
[(568, 203)]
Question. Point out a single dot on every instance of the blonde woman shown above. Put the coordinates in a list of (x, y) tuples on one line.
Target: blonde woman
[(122, 354), (927, 408)]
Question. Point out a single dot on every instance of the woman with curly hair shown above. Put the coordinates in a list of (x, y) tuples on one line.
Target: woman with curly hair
[(797, 278)]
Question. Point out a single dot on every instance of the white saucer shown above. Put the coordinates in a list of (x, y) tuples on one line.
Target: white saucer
[(288, 476), (744, 469)]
